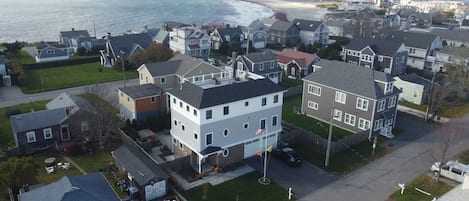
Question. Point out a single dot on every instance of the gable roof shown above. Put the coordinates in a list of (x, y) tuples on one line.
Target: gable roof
[(256, 25), (414, 78), (281, 26), (410, 39), (75, 34), (350, 78), (259, 57), (301, 58), (307, 25), (90, 187), (128, 42), (35, 120), (200, 98), (162, 36), (231, 31), (179, 64), (42, 50), (379, 45), (65, 100), (136, 162), (141, 91), (458, 35)]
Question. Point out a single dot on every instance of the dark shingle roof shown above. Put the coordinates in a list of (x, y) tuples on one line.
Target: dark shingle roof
[(281, 26), (349, 77), (457, 35), (128, 42), (179, 64), (35, 120), (257, 57), (140, 91), (307, 25), (465, 23), (90, 187), (379, 45), (414, 78), (58, 50), (229, 31), (410, 39), (75, 33), (136, 163), (202, 98), (260, 57)]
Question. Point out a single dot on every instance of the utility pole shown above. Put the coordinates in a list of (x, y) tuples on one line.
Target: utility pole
[(430, 97), (247, 42), (123, 67), (329, 138)]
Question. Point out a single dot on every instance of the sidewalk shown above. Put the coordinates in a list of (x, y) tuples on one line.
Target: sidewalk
[(420, 114)]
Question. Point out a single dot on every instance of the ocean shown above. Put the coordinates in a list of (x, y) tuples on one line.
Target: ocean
[(42, 20)]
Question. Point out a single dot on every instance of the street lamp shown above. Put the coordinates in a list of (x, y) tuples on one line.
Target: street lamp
[(123, 67)]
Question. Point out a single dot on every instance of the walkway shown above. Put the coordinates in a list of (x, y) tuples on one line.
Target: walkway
[(420, 114), (74, 164)]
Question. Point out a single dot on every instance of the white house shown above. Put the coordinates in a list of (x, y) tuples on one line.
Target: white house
[(312, 31), (190, 40), (215, 125)]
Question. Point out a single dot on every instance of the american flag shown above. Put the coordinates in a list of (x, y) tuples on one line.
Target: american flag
[(259, 131)]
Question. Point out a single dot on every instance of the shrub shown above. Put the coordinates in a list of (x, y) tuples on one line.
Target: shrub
[(12, 111)]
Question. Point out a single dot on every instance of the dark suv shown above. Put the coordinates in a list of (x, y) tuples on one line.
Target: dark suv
[(289, 155)]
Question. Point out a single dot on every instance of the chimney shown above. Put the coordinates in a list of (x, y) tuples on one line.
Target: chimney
[(73, 29), (108, 36), (233, 62)]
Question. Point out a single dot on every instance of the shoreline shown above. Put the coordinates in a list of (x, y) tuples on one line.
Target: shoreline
[(278, 14)]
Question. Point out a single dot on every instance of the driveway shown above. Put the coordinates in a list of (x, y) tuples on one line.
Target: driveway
[(302, 179)]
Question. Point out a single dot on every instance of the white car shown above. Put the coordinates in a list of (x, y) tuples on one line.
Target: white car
[(452, 170)]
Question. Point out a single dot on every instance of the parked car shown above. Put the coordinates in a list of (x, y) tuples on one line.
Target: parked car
[(288, 155), (452, 170)]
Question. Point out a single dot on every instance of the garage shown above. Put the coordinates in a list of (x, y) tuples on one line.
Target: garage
[(252, 147)]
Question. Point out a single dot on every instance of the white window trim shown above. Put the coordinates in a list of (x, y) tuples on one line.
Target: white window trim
[(380, 106), (362, 104), (313, 105), (338, 97), (227, 132), (350, 122), (364, 123), (207, 138), (378, 124), (44, 132), (227, 152), (153, 99), (392, 102), (162, 80), (311, 90), (337, 115), (33, 135)]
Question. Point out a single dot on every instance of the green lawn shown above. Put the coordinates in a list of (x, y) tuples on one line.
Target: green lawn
[(6, 135), (345, 161), (43, 177), (308, 123), (424, 182), (94, 162), (287, 82), (244, 188), (48, 79), (76, 57), (26, 58)]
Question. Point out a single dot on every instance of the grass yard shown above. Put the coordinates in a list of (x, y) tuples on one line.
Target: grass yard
[(48, 79), (43, 177), (345, 161), (455, 110), (244, 188), (94, 162), (26, 58), (76, 57), (287, 82), (6, 135), (424, 182), (308, 123)]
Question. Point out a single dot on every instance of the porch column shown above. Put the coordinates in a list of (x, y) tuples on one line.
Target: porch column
[(200, 164)]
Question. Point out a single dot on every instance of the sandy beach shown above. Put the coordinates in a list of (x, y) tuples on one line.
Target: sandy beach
[(303, 9)]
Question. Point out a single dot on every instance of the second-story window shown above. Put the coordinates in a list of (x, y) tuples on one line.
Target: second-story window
[(340, 97), (315, 90), (274, 121), (264, 101), (261, 67), (262, 124), (226, 110), (276, 99), (187, 108), (208, 114), (153, 99), (362, 104), (195, 112), (392, 102), (381, 105)]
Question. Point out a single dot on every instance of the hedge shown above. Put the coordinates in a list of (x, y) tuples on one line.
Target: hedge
[(54, 64)]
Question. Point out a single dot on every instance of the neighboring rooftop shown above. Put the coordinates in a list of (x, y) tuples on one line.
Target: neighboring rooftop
[(75, 33), (281, 26), (137, 163), (35, 120), (141, 91), (201, 98), (379, 45), (90, 187), (458, 35), (257, 57), (307, 25), (180, 64), (349, 77), (129, 42), (410, 39), (414, 78), (65, 100), (301, 58), (460, 52)]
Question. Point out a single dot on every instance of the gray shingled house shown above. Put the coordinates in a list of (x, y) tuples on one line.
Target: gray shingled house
[(90, 187), (232, 37), (67, 118), (312, 31), (379, 54), (360, 99), (283, 33), (261, 63), (46, 52), (75, 39), (124, 45)]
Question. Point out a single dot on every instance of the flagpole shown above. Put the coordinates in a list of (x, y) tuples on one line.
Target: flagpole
[(265, 155)]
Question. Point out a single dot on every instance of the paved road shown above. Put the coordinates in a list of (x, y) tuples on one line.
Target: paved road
[(12, 95), (302, 179), (379, 179)]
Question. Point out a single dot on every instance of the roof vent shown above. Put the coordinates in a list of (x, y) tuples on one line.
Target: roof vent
[(298, 23), (18, 117)]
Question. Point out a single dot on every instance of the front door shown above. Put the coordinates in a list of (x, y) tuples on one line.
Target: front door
[(65, 133)]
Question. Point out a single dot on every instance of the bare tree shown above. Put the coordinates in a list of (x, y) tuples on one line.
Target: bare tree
[(446, 135), (104, 121)]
